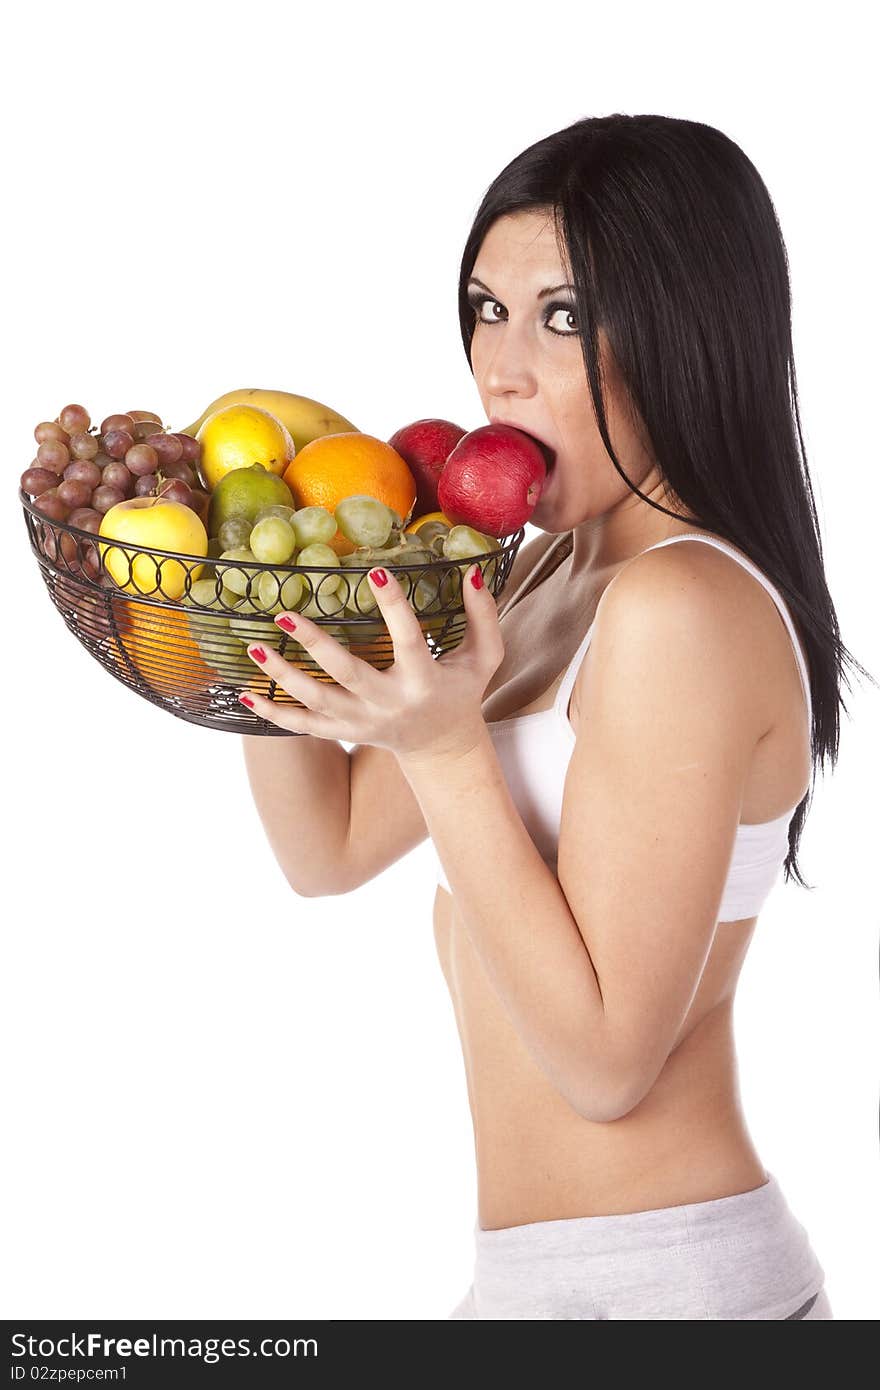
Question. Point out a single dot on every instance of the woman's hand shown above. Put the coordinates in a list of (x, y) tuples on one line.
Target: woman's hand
[(419, 708)]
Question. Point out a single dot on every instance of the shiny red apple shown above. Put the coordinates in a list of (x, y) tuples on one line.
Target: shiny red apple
[(426, 445), (493, 480)]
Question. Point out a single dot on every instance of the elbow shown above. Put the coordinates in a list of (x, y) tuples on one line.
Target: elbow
[(305, 889), (612, 1097)]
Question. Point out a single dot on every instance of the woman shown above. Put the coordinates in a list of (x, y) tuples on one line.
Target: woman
[(612, 773)]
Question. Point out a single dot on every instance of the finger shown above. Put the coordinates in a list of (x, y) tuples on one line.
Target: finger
[(482, 638), (322, 697), (403, 626), (295, 721), (350, 672)]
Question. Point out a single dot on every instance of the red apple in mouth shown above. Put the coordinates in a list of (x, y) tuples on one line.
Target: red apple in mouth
[(426, 445), (493, 479)]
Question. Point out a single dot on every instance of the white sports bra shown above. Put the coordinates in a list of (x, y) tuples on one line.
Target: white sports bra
[(534, 751)]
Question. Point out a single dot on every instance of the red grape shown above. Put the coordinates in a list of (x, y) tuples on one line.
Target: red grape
[(67, 544), (117, 475), (92, 612), (49, 546), (83, 470), (143, 429), (167, 446), (200, 503), (145, 484), (179, 470), (50, 429), (141, 459), (192, 449), (53, 454), (74, 418), (83, 446), (86, 519), (118, 442), (37, 480), (105, 497), (91, 561), (75, 493), (175, 490), (141, 416), (52, 506), (117, 422)]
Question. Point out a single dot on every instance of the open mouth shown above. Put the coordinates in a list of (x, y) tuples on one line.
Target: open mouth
[(549, 454)]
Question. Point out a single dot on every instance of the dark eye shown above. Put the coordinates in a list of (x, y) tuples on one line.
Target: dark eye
[(567, 309), (477, 301)]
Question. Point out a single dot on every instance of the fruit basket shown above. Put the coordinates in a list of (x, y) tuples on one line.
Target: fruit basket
[(182, 645)]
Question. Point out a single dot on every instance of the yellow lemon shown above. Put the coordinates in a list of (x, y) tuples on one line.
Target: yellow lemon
[(238, 436)]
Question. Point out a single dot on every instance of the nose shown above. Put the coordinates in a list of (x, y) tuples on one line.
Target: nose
[(503, 363)]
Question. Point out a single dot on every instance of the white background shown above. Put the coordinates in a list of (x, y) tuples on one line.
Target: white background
[(223, 1100)]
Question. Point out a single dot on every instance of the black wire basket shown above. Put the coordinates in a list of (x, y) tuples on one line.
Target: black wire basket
[(179, 638)]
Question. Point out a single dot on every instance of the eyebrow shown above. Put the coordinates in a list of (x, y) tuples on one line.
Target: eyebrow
[(542, 294)]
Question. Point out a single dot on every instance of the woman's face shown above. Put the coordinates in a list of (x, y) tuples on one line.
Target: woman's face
[(529, 371)]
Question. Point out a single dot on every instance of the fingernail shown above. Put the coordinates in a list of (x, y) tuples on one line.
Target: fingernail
[(257, 653), (379, 577), (477, 578), (287, 623), (246, 700)]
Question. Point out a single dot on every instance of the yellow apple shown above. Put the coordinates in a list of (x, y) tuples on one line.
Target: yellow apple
[(152, 524)]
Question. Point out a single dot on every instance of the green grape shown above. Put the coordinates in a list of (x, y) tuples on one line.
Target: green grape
[(364, 520), (450, 589), (236, 579), (229, 599), (329, 606), (463, 543), (254, 629), (273, 541), (324, 556), (275, 509), (313, 525), (225, 655), (360, 598), (234, 532), (426, 595), (277, 594), (428, 531), (203, 594)]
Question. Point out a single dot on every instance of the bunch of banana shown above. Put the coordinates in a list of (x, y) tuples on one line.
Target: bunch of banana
[(304, 418)]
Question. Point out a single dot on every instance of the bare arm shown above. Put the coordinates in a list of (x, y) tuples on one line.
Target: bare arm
[(334, 819)]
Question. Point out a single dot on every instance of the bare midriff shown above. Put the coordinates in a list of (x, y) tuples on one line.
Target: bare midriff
[(539, 1160)]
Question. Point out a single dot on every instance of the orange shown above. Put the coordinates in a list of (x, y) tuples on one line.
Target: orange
[(428, 516), (336, 466), (158, 642)]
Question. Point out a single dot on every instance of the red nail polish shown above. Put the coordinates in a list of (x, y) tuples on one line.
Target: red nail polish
[(258, 654), (246, 700), (379, 577), (287, 623), (477, 578)]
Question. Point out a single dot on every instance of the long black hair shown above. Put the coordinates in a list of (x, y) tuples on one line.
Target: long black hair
[(675, 250)]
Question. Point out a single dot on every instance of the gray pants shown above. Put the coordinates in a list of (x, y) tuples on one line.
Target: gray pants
[(739, 1257)]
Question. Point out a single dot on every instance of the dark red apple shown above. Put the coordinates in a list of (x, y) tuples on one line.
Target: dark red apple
[(493, 480), (426, 445)]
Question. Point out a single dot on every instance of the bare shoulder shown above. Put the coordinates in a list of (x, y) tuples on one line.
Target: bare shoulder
[(692, 606)]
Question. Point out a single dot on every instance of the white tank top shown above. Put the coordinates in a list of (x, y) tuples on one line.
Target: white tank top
[(534, 751)]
